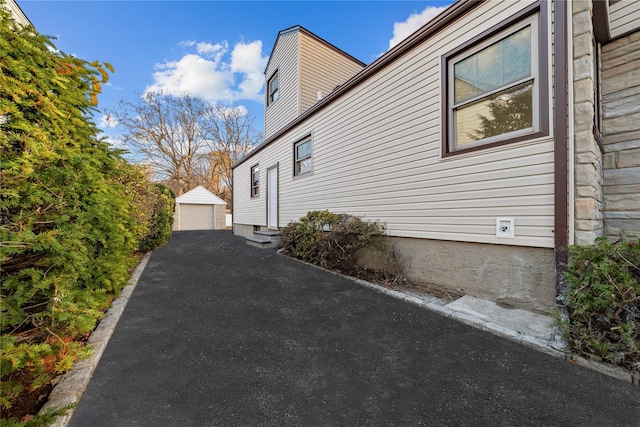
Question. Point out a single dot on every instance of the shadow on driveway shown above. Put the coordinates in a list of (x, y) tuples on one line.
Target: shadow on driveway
[(218, 333)]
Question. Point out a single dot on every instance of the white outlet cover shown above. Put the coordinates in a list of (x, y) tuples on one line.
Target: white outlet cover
[(506, 228)]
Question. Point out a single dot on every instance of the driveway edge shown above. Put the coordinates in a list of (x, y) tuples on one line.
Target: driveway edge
[(549, 347), (72, 385)]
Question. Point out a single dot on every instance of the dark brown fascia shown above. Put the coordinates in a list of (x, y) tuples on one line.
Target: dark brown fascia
[(441, 21), (600, 20)]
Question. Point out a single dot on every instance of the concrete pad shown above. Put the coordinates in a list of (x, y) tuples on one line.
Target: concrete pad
[(525, 322)]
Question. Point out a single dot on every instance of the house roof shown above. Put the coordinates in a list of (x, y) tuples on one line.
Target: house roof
[(200, 196), (301, 29), (445, 18)]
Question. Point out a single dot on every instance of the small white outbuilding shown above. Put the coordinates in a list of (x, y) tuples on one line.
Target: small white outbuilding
[(199, 209)]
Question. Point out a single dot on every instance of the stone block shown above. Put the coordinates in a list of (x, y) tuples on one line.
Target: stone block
[(609, 160), (585, 141), (622, 141), (589, 191), (586, 237), (628, 158), (586, 174), (621, 106), (614, 228), (630, 215), (582, 45), (586, 208), (583, 90), (581, 22), (588, 157), (578, 6), (631, 189), (624, 176), (616, 79), (621, 202), (589, 225), (583, 67), (623, 124), (583, 113), (620, 55)]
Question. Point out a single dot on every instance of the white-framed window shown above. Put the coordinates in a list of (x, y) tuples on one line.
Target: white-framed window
[(255, 181), (496, 87), (273, 88), (302, 156)]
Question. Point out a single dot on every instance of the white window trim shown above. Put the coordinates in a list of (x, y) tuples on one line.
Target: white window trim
[(257, 183), (533, 21)]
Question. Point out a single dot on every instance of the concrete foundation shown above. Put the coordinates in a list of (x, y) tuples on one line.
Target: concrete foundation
[(243, 230), (514, 276)]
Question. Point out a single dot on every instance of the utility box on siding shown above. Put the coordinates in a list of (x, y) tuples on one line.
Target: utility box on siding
[(199, 209)]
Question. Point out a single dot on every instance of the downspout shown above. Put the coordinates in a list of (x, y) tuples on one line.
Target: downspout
[(561, 146)]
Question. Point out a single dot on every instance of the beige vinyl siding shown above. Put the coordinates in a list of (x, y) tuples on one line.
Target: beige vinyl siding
[(322, 68), (624, 17), (285, 60), (246, 209), (377, 153)]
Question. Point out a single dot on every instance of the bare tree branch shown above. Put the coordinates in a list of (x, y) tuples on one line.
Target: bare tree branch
[(188, 141)]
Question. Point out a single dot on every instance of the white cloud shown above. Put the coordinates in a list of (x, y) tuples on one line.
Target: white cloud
[(215, 51), (115, 142), (401, 30), (214, 73), (107, 121)]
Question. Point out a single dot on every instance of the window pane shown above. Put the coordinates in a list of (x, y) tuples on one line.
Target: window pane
[(466, 75), (501, 113), (304, 166), (303, 150), (516, 50), (495, 66)]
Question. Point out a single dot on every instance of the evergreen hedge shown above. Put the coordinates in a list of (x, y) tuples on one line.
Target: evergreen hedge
[(69, 220)]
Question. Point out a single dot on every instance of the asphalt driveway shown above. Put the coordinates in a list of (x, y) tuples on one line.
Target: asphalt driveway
[(218, 333)]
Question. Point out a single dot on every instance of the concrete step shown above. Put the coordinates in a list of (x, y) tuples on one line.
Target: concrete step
[(268, 233), (261, 243)]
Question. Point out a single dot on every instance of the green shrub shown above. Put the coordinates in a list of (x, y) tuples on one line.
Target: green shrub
[(603, 301), (163, 204), (332, 240), (68, 224)]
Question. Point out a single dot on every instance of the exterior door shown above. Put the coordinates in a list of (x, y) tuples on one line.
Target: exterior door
[(272, 197)]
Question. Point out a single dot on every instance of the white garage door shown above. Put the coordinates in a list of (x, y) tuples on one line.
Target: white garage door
[(197, 217)]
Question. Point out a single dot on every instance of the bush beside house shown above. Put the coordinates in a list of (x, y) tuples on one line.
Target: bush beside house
[(603, 302), (331, 240), (69, 220)]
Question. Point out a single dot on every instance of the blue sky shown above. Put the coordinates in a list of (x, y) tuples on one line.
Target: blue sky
[(213, 49)]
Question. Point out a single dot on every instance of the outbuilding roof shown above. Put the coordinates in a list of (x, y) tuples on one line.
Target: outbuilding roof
[(200, 196)]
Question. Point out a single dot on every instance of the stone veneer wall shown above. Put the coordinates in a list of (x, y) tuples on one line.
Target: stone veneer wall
[(221, 217), (589, 222), (620, 92)]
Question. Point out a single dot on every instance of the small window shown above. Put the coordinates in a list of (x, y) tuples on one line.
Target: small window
[(273, 88), (255, 181), (302, 157), (496, 92)]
